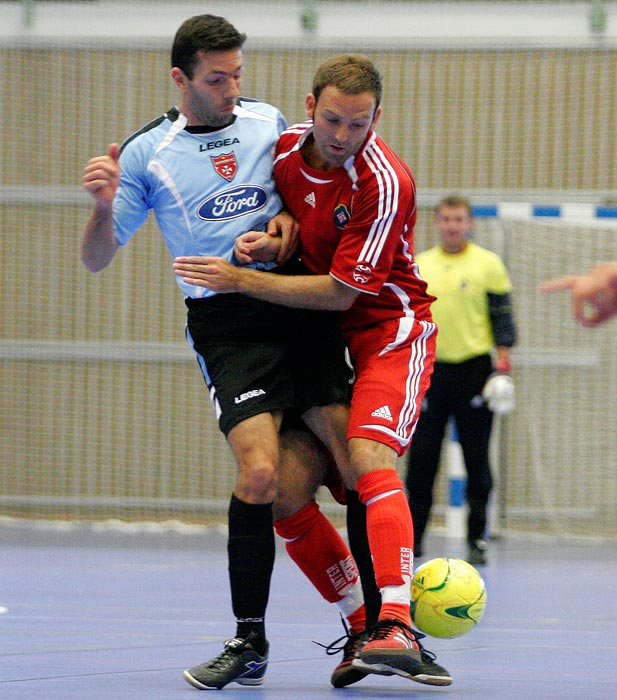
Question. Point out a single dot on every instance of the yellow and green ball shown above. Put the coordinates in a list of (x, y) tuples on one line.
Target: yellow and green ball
[(448, 597)]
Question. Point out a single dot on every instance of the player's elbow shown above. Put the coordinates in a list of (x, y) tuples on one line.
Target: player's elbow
[(344, 298), (342, 304), (89, 264), (94, 262), (97, 254)]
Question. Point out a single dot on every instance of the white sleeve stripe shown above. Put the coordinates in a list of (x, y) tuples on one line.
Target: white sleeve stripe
[(392, 183), (368, 253), (388, 197)]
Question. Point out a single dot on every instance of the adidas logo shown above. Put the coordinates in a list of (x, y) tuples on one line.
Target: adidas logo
[(310, 199), (383, 412), (404, 640)]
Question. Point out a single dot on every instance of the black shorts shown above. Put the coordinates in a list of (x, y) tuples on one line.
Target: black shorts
[(258, 357)]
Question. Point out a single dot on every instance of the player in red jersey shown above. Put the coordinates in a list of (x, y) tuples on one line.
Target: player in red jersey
[(355, 201)]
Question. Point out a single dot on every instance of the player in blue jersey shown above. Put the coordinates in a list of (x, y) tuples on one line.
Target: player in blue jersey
[(205, 169)]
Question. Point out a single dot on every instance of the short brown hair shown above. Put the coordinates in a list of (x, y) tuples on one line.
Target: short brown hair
[(203, 33), (453, 200), (352, 74)]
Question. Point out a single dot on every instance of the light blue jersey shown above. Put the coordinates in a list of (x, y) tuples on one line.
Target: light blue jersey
[(205, 187)]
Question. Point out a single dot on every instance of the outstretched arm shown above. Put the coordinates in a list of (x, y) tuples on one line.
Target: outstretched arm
[(299, 291), (594, 295), (101, 178)]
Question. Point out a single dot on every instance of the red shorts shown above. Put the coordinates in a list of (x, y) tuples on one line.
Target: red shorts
[(393, 362)]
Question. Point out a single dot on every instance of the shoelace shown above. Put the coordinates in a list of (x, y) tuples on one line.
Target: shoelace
[(383, 628), (344, 643), (424, 653), (230, 649), (347, 642)]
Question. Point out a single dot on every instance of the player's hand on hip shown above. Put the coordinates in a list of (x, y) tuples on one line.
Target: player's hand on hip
[(216, 274), (101, 176)]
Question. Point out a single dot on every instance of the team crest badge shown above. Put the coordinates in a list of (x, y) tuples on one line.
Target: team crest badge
[(341, 216), (225, 165)]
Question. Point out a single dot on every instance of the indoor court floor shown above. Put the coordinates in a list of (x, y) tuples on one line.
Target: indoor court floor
[(99, 614)]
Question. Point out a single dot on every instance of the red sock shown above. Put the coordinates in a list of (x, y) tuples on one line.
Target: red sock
[(357, 620), (321, 553), (396, 611), (389, 526)]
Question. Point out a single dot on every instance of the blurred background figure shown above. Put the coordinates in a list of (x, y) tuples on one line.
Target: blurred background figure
[(470, 381)]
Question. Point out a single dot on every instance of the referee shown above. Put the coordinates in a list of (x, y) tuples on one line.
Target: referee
[(476, 331)]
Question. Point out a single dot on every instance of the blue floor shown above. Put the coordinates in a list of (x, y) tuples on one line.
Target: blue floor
[(107, 616)]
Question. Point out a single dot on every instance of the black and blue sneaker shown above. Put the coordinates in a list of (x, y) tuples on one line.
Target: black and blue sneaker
[(237, 663)]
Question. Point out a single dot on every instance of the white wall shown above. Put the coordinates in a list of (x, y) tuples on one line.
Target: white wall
[(447, 23)]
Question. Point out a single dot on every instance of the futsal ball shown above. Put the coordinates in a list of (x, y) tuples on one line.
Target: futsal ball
[(448, 597)]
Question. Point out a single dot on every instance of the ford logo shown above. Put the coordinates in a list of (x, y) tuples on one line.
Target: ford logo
[(232, 203)]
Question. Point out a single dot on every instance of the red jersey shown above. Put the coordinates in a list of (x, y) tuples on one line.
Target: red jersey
[(356, 224)]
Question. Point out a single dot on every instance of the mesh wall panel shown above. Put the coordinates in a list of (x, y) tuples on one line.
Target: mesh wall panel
[(103, 410)]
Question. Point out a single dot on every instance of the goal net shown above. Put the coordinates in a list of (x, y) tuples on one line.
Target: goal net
[(555, 459)]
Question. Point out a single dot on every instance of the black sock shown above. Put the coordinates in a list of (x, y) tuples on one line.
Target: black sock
[(358, 543), (250, 550)]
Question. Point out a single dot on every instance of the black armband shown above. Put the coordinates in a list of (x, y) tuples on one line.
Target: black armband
[(502, 319)]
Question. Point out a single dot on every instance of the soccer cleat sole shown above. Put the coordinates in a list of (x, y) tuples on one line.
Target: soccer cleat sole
[(385, 670), (409, 663)]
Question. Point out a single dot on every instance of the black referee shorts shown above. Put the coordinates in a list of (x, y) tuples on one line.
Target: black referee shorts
[(258, 357)]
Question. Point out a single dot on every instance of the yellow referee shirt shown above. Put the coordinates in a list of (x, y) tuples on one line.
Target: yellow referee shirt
[(461, 282)]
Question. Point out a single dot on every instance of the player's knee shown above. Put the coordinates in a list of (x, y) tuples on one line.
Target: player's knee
[(291, 497), (257, 482), (369, 455)]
